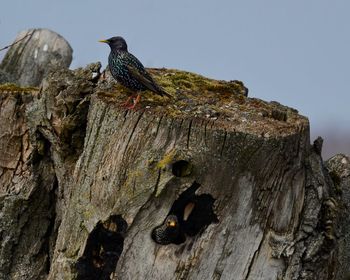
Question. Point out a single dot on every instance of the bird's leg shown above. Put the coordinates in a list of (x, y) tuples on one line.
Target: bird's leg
[(136, 101), (126, 104)]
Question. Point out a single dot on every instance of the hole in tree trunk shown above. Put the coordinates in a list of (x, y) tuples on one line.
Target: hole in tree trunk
[(181, 168), (189, 215), (103, 249)]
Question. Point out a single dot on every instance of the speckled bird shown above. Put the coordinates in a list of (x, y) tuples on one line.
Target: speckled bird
[(168, 232), (129, 71)]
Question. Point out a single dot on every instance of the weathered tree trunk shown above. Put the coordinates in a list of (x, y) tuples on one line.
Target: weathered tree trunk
[(35, 163), (27, 194), (34, 53), (264, 205), (339, 169)]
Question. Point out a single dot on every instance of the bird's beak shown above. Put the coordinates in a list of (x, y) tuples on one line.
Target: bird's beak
[(172, 224), (103, 41)]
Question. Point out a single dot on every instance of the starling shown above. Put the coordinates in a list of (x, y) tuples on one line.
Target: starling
[(168, 232), (129, 71)]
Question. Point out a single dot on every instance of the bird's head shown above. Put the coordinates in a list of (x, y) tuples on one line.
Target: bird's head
[(171, 221), (116, 43)]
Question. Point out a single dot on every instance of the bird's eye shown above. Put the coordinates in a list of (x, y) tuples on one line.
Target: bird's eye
[(171, 223)]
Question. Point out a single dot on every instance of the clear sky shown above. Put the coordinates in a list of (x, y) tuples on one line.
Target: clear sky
[(295, 52)]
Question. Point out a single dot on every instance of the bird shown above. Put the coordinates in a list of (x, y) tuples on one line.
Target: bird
[(168, 232), (129, 71)]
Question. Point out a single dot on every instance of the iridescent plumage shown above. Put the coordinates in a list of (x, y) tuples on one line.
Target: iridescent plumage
[(128, 70), (168, 232)]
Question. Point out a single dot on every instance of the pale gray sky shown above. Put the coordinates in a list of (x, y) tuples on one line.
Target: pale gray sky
[(295, 52)]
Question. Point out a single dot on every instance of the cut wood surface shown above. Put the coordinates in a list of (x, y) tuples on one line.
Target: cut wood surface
[(259, 203)]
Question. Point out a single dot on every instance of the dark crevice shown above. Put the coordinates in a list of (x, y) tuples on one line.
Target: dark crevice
[(103, 249), (132, 133), (252, 261), (157, 182), (51, 232), (170, 125), (180, 125), (125, 115), (193, 212), (205, 133), (181, 168), (189, 134), (158, 125), (223, 144)]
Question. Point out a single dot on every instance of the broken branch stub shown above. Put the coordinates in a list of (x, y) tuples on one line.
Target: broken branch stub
[(33, 54)]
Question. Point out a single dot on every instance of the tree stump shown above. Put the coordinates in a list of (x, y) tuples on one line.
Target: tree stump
[(252, 195), (37, 52)]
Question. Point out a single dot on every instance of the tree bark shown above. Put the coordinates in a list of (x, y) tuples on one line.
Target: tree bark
[(27, 194), (264, 205), (339, 170)]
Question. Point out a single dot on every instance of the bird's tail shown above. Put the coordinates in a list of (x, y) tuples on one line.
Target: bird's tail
[(162, 92)]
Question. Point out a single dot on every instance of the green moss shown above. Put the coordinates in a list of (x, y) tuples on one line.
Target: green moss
[(223, 87), (196, 96), (185, 80), (8, 88)]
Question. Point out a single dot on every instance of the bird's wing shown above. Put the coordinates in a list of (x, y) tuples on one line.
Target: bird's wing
[(143, 77), (137, 70), (188, 210)]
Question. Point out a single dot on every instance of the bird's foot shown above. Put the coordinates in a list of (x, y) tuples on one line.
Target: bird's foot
[(135, 102), (126, 104)]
